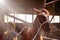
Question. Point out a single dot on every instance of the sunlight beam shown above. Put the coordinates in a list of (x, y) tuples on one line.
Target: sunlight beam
[(2, 1)]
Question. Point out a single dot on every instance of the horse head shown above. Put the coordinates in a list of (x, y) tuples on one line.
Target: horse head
[(42, 16)]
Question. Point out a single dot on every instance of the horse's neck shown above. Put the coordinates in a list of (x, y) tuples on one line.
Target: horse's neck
[(30, 32), (36, 25)]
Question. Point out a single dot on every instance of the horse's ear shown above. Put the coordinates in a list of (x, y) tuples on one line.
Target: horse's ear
[(47, 12), (43, 10), (38, 11)]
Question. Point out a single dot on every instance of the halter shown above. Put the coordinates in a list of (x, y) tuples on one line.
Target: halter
[(39, 29)]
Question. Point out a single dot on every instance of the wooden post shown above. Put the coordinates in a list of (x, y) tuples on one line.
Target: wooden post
[(14, 22)]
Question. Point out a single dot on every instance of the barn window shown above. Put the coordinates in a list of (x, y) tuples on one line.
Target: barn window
[(55, 19), (8, 19), (24, 17), (27, 18)]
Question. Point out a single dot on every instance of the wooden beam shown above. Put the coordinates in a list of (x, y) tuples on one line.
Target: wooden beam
[(50, 2)]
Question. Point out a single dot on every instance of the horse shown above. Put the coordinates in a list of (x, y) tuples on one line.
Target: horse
[(29, 32)]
